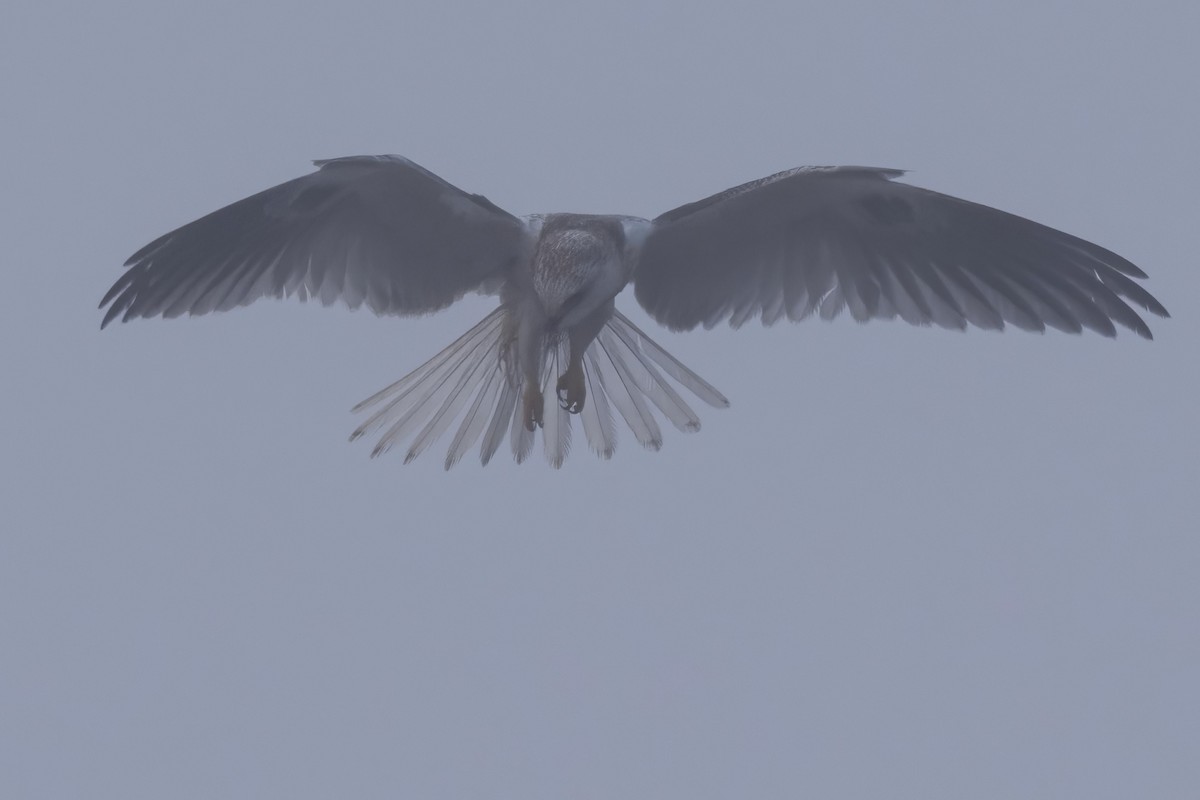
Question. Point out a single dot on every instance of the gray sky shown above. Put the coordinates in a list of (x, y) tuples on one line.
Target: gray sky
[(906, 563)]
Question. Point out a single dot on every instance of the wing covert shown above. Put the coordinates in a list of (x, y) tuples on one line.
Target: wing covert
[(820, 240), (374, 230)]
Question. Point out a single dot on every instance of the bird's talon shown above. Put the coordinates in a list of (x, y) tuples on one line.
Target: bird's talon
[(533, 409), (571, 392)]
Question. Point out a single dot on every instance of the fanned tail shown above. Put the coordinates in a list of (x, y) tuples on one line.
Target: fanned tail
[(429, 399), (623, 370)]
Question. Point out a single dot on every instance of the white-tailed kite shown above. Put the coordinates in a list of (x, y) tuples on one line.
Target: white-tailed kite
[(385, 232)]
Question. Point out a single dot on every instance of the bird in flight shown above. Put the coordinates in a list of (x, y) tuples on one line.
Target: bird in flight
[(384, 232)]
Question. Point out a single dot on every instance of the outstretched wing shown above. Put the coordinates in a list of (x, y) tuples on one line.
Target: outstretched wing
[(820, 239), (378, 230)]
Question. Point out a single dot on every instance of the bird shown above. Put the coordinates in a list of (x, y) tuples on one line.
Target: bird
[(385, 233)]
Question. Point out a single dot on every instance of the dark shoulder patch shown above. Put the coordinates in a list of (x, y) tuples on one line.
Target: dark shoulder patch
[(887, 210), (312, 198), (806, 173), (484, 203), (699, 205)]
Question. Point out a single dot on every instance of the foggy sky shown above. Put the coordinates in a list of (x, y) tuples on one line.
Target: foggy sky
[(905, 563)]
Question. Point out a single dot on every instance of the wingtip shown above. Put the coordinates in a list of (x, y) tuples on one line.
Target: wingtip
[(106, 318), (1150, 303), (113, 312)]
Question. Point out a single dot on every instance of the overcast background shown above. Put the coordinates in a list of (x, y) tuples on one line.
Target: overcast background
[(907, 563)]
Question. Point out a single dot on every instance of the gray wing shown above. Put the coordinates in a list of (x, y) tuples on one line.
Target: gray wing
[(823, 239), (378, 230)]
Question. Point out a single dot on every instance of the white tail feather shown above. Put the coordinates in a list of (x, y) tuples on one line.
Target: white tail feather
[(473, 422), (624, 391), (505, 409), (597, 416), (556, 430), (623, 369)]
